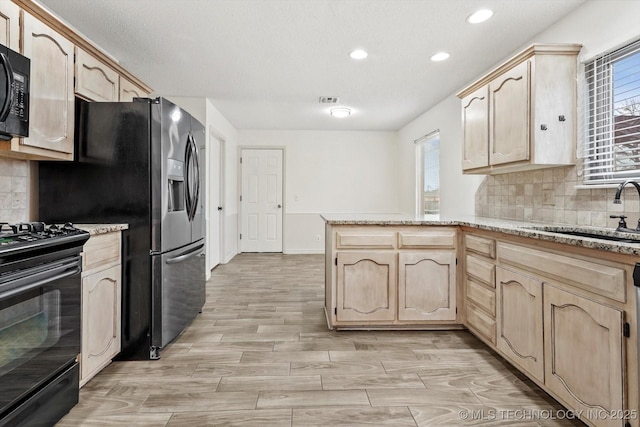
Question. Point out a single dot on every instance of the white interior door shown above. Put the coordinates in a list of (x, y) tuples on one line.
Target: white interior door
[(213, 239), (261, 203)]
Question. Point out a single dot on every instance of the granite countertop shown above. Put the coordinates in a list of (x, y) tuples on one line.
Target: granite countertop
[(94, 229), (536, 230)]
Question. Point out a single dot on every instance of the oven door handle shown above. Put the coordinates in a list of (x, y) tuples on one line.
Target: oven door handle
[(41, 279)]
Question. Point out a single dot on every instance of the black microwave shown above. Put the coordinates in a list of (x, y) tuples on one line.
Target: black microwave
[(14, 94)]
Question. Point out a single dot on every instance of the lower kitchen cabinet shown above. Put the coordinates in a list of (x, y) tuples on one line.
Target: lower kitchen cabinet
[(101, 296), (427, 285), (391, 277), (519, 320), (366, 284), (101, 303), (584, 355), (560, 320)]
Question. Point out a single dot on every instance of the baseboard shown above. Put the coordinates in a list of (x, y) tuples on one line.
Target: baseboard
[(304, 252)]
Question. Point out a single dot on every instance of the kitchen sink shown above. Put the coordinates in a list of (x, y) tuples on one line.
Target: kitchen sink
[(602, 235)]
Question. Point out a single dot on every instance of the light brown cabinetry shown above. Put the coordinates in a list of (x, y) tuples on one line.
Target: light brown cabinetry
[(51, 115), (366, 285), (50, 46), (519, 320), (10, 25), (391, 276), (522, 115), (584, 355), (129, 90), (560, 319), (95, 80), (475, 107), (480, 284), (101, 299), (427, 285)]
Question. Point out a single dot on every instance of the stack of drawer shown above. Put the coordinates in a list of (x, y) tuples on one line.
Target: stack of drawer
[(480, 286)]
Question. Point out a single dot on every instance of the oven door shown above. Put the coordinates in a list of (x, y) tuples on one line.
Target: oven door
[(39, 326)]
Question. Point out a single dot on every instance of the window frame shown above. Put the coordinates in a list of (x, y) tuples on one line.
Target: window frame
[(421, 144), (601, 156)]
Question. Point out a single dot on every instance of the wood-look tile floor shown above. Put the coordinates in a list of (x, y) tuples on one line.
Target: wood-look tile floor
[(260, 354)]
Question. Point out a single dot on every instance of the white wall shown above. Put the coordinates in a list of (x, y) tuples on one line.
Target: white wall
[(330, 172), (457, 191)]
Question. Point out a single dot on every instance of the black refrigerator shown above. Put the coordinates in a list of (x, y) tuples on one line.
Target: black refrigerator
[(138, 163)]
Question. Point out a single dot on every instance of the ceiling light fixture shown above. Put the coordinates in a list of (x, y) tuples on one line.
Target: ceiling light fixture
[(440, 56), (358, 54), (340, 112), (479, 16)]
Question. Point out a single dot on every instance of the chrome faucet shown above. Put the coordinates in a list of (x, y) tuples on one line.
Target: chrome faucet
[(622, 226)]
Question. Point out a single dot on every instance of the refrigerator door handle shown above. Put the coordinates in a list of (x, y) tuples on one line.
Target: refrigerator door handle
[(185, 255), (187, 176), (196, 163)]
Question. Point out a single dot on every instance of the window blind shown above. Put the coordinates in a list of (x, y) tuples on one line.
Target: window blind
[(612, 149)]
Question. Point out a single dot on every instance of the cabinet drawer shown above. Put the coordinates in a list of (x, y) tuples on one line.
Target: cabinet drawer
[(373, 239), (589, 275), (101, 249), (482, 296), (481, 322), (439, 238), (480, 245), (481, 270)]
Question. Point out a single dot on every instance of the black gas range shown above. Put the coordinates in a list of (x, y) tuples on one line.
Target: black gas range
[(40, 295)]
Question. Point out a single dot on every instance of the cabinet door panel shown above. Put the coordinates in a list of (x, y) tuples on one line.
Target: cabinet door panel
[(475, 128), (366, 286), (101, 296), (94, 79), (9, 25), (52, 98), (128, 91), (584, 353), (509, 116), (427, 286), (519, 320)]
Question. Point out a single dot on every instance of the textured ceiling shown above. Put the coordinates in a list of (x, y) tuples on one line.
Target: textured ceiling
[(264, 63)]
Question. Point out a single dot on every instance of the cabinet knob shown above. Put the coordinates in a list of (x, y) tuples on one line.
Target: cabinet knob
[(561, 118), (543, 127)]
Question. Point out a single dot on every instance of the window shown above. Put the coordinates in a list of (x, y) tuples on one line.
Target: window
[(428, 173), (612, 150)]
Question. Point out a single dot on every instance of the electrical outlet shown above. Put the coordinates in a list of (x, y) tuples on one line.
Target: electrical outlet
[(317, 237)]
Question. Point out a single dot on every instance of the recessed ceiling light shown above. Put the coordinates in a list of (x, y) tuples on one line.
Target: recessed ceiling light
[(358, 54), (440, 56), (340, 112), (480, 16)]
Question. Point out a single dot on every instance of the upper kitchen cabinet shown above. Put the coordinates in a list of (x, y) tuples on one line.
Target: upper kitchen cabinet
[(64, 64), (10, 25), (95, 80), (522, 115), (52, 97), (130, 90)]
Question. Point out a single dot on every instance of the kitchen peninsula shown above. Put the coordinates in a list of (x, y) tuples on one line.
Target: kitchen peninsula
[(557, 301)]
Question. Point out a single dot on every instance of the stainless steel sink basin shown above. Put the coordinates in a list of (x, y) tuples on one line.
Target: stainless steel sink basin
[(613, 236)]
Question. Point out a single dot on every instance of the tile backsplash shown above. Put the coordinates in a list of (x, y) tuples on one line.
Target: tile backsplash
[(550, 195), (14, 190)]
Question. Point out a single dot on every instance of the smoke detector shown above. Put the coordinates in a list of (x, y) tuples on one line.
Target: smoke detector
[(328, 99)]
